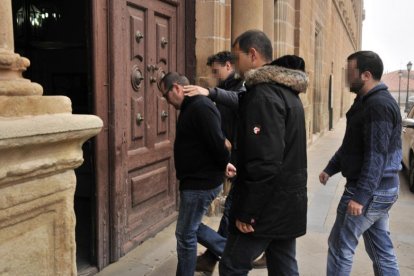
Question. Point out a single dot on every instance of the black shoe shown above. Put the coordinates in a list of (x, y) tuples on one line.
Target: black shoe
[(260, 263), (206, 262)]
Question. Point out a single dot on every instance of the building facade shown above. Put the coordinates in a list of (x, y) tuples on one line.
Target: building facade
[(107, 57), (323, 32)]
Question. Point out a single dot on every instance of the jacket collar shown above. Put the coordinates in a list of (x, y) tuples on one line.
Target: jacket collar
[(186, 101), (379, 87), (231, 81), (293, 79)]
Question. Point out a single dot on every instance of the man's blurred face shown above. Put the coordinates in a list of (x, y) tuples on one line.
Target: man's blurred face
[(220, 71), (354, 79), (242, 60), (173, 94)]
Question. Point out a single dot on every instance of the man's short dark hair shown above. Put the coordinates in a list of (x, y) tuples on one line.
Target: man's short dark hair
[(368, 61), (255, 39), (172, 77), (220, 57)]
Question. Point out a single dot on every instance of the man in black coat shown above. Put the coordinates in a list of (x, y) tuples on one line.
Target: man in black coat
[(229, 83), (222, 68), (270, 201), (201, 156)]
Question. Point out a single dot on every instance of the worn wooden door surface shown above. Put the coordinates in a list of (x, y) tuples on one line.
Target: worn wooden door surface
[(144, 39)]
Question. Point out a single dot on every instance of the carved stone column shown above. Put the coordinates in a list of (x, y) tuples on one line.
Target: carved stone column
[(268, 19), (40, 146), (248, 14)]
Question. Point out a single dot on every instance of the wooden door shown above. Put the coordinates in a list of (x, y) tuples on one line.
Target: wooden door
[(144, 42)]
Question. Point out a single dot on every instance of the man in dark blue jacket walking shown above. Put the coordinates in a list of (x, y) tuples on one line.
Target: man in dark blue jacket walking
[(369, 158)]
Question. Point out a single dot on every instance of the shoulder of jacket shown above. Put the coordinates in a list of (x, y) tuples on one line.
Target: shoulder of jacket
[(293, 79)]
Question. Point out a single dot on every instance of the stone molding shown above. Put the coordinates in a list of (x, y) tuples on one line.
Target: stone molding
[(18, 106), (343, 14), (43, 144), (11, 82)]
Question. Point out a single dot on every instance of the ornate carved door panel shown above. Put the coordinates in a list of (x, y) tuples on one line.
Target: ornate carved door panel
[(144, 38)]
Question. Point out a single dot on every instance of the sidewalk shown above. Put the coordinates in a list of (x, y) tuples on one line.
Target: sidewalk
[(157, 256)]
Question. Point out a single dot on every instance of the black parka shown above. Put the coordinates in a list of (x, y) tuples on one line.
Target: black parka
[(270, 189)]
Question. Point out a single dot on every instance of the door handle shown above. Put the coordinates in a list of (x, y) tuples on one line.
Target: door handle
[(152, 68), (164, 114), (139, 118), (138, 36), (164, 42), (136, 78)]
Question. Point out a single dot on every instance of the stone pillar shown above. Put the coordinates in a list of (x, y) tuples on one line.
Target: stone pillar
[(268, 21), (284, 27), (211, 37), (40, 146), (246, 15), (252, 14), (6, 30)]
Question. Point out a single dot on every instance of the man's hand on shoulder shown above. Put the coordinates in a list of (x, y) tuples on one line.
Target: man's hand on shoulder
[(193, 90)]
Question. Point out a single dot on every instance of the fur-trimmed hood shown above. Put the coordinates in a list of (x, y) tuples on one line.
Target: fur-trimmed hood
[(294, 79)]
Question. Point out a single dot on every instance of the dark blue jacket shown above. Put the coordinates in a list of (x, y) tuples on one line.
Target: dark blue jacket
[(370, 154)]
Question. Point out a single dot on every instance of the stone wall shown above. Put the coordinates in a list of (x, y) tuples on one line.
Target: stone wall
[(213, 28)]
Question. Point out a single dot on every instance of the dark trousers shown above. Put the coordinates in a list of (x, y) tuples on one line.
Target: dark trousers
[(241, 250)]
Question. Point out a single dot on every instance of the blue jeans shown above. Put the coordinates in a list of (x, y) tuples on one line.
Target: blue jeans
[(216, 241), (242, 249), (373, 225), (193, 206)]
